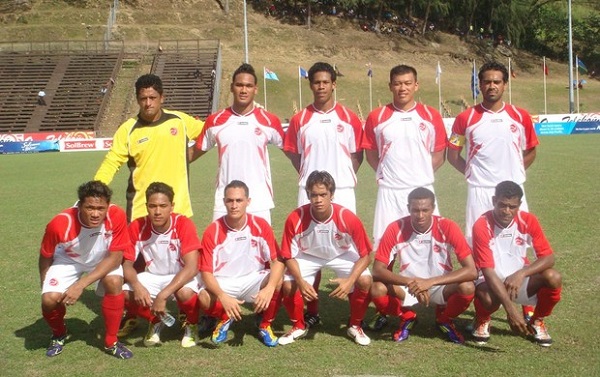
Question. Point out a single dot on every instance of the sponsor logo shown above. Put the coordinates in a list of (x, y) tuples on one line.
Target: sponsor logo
[(107, 144), (29, 146), (506, 235), (406, 119), (164, 242), (241, 238), (424, 242), (323, 231), (496, 120), (325, 120), (143, 140), (74, 145), (96, 234), (173, 131), (243, 123)]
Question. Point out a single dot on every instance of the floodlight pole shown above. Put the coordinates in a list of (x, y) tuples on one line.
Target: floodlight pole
[(571, 102), (245, 33)]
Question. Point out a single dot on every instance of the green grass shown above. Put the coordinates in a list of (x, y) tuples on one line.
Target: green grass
[(561, 191)]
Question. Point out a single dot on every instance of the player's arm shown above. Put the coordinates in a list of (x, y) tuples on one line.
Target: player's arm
[(184, 276), (467, 272), (372, 158), (529, 157), (456, 160), (357, 159), (498, 290), (263, 297), (295, 159), (109, 263), (44, 264), (230, 304), (437, 159), (345, 285), (141, 295), (194, 153), (115, 158), (307, 291), (513, 282), (382, 274)]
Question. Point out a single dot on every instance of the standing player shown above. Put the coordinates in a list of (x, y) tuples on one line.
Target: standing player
[(82, 245), (500, 143), (500, 241), (155, 146), (169, 246), (422, 243), (242, 133), (325, 136), (323, 234), (239, 264)]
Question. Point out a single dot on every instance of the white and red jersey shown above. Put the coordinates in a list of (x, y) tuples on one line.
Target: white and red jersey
[(341, 233), (163, 252), (67, 240), (494, 142), (405, 141), (422, 255), (242, 142), (505, 249), (227, 252), (325, 141)]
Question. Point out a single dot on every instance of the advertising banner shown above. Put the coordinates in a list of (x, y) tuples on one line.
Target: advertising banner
[(41, 136), (567, 124), (12, 147)]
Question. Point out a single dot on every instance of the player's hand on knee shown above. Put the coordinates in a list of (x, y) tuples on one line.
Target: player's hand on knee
[(307, 291), (343, 289)]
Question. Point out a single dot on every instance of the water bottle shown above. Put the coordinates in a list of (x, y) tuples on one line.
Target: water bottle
[(167, 319)]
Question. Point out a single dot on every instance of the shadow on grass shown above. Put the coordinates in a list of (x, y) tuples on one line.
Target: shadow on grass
[(37, 335)]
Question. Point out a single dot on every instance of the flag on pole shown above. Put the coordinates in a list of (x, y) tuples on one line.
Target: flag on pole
[(270, 75), (337, 71), (474, 82), (546, 71), (581, 67), (302, 72), (369, 70), (438, 73)]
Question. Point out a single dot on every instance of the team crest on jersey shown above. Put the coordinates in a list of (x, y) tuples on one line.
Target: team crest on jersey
[(513, 128), (173, 131), (422, 126), (437, 249), (340, 128), (53, 282), (254, 244), (172, 248), (337, 236), (257, 131), (519, 241)]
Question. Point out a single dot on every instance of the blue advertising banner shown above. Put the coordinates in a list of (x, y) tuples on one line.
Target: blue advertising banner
[(10, 147), (567, 124)]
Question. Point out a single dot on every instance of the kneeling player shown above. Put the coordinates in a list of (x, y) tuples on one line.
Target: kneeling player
[(421, 243), (169, 245), (324, 234), (237, 251), (500, 241)]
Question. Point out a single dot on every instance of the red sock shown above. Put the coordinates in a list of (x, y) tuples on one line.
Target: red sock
[(144, 312), (547, 300), (455, 306), (112, 310), (191, 308), (481, 312), (269, 314), (294, 305), (528, 310), (56, 320), (312, 307), (217, 311), (359, 303), (388, 305), (407, 314), (131, 309)]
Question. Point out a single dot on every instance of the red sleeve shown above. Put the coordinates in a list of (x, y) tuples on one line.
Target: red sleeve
[(456, 238), (269, 237), (54, 234), (275, 124), (441, 139), (482, 236), (369, 140), (289, 232), (186, 231), (387, 243), (210, 121), (120, 237), (541, 246), (133, 229), (357, 126), (358, 233), (530, 135), (205, 262), (290, 142)]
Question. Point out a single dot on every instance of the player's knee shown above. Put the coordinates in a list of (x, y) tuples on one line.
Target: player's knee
[(50, 301), (364, 282), (466, 288), (287, 288), (378, 289), (552, 278), (184, 294), (204, 299), (113, 284)]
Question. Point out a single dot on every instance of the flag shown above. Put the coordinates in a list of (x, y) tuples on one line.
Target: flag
[(303, 73), (270, 75), (337, 71), (582, 68), (369, 70), (546, 71), (438, 73), (474, 83)]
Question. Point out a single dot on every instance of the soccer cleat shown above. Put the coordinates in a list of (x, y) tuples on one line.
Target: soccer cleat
[(311, 320), (450, 330), (206, 324), (541, 335), (377, 322), (359, 336), (267, 336), (481, 331), (128, 325), (153, 336), (57, 343), (190, 334), (219, 335), (119, 351), (292, 335), (403, 331)]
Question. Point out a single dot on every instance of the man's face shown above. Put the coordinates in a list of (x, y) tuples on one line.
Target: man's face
[(150, 102), (236, 203), (322, 87), (320, 201), (505, 210), (492, 86), (159, 209), (403, 87), (421, 214), (92, 211), (243, 89)]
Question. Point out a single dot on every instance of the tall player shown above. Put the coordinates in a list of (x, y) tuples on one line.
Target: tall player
[(500, 143), (325, 136), (323, 234), (82, 245), (239, 264), (422, 243), (241, 134), (155, 147), (501, 238), (169, 246)]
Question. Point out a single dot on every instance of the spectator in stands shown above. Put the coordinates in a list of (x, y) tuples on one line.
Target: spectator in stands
[(41, 100), (155, 146)]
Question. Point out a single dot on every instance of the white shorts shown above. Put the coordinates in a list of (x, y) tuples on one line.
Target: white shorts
[(266, 214), (310, 265), (156, 283), (522, 298), (391, 205), (479, 201), (61, 276), (342, 196), (243, 287), (436, 296)]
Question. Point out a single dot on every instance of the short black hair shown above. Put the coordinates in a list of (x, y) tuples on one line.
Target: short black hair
[(244, 68), (94, 189), (493, 66), (160, 188), (148, 81), (421, 193), (321, 67), (402, 69), (320, 178), (238, 184), (508, 189)]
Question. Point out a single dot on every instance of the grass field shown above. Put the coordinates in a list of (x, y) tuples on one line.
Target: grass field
[(560, 189)]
